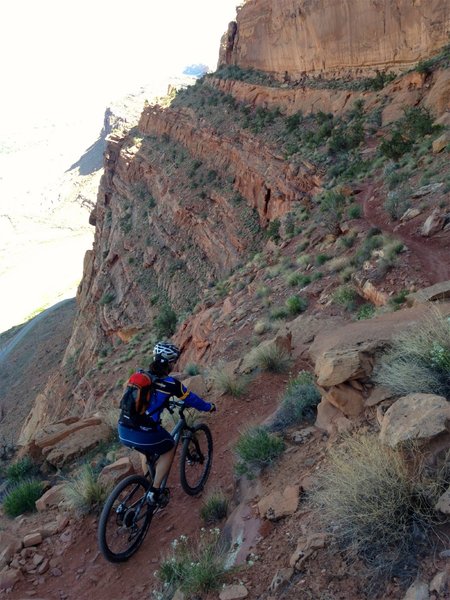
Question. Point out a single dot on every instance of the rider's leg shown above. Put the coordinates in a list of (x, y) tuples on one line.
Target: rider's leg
[(162, 467)]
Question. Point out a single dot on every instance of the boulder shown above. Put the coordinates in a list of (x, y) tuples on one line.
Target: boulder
[(441, 142), (113, 473), (282, 577), (434, 223), (438, 291), (331, 419), (196, 384), (443, 504), (233, 592), (415, 418), (417, 591), (278, 505), (9, 578), (305, 547), (51, 498), (75, 444), (9, 545), (440, 582), (346, 398)]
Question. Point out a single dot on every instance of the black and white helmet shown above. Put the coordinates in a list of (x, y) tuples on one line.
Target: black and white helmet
[(166, 351)]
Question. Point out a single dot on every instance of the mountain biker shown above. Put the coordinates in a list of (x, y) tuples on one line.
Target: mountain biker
[(153, 438)]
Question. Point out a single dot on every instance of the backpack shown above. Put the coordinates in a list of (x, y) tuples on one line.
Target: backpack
[(136, 400)]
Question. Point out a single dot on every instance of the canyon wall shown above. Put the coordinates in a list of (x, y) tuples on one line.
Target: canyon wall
[(294, 37)]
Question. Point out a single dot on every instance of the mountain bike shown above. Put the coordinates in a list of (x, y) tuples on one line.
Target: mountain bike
[(127, 513)]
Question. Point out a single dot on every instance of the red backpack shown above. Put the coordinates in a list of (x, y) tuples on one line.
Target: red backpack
[(136, 400)]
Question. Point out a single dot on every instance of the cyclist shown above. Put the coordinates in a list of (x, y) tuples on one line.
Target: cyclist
[(153, 438)]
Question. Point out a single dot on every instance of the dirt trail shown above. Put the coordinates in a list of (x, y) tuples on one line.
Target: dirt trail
[(430, 256), (83, 573)]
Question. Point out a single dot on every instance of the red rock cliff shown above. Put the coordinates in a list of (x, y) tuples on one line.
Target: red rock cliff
[(328, 36)]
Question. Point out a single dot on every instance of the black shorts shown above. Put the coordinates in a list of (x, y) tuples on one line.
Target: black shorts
[(154, 441)]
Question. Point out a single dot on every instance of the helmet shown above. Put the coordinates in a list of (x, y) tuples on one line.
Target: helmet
[(166, 351)]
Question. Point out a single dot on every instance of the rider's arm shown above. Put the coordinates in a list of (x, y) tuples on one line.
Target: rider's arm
[(192, 400)]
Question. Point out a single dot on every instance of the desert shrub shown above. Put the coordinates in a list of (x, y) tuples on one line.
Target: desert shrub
[(21, 469), (332, 205), (378, 508), (354, 211), (194, 567), (256, 448), (366, 311), (298, 403), (166, 321), (345, 296), (84, 493), (296, 305), (107, 298), (397, 202), (271, 358), (22, 497), (192, 369), (273, 230), (419, 359), (226, 382), (214, 507), (260, 327)]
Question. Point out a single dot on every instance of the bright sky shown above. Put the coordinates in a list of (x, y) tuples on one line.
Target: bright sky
[(58, 56)]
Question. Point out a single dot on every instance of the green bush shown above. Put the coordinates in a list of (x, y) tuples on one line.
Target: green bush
[(192, 369), (296, 305), (256, 448), (378, 506), (346, 296), (354, 211), (214, 507), (194, 567), (419, 360), (298, 403), (366, 311), (166, 322), (22, 498), (84, 493), (20, 470), (397, 202)]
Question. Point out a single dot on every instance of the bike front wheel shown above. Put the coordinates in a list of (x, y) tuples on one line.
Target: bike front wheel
[(125, 519), (196, 459)]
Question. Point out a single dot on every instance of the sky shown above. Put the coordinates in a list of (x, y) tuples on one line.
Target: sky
[(61, 65), (58, 56)]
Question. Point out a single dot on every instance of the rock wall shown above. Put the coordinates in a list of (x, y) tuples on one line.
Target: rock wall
[(329, 36)]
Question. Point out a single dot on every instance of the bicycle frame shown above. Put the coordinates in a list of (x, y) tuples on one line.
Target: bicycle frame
[(176, 433)]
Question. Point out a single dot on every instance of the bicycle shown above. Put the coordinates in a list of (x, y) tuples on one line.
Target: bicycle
[(127, 514)]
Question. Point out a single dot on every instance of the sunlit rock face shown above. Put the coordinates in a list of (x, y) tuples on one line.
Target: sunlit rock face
[(294, 37)]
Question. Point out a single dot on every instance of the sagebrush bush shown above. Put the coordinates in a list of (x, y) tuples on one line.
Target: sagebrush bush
[(214, 507), (378, 507), (419, 359), (194, 567), (346, 296), (298, 402), (192, 369), (22, 497), (84, 493), (257, 448)]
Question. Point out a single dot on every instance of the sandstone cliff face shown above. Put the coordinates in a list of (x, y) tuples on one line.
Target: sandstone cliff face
[(328, 36)]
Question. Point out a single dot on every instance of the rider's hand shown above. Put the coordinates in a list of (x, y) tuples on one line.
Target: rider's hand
[(213, 407)]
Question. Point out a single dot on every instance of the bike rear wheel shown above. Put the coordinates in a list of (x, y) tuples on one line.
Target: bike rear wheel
[(196, 459), (125, 519)]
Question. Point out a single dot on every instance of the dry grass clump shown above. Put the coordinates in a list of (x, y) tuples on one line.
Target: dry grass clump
[(84, 493), (378, 506), (298, 403), (227, 382), (271, 358), (214, 507), (419, 359)]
